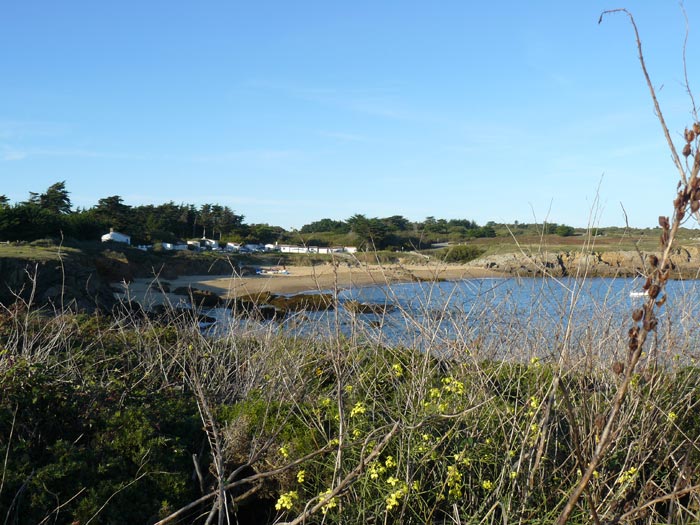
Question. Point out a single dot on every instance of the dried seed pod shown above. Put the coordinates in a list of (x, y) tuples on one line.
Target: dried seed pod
[(694, 206), (599, 422), (633, 332), (664, 239), (687, 150), (647, 283), (654, 290), (689, 135), (680, 213), (618, 367), (650, 324), (653, 260), (696, 128), (661, 301), (663, 222), (637, 315), (680, 199), (633, 344)]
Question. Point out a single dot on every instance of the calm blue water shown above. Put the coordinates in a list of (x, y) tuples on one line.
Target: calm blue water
[(508, 316)]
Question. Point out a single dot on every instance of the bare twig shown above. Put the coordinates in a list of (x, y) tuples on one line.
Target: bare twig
[(7, 451), (652, 91), (654, 286)]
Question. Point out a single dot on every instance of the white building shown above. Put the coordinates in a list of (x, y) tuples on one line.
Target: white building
[(168, 246), (204, 244), (116, 237), (290, 248), (211, 244)]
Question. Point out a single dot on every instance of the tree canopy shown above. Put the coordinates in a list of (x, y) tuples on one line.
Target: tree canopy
[(50, 214), (54, 200)]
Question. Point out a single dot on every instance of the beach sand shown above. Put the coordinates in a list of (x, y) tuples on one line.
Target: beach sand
[(147, 292)]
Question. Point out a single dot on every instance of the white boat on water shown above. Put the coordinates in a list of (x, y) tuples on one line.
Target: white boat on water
[(638, 294)]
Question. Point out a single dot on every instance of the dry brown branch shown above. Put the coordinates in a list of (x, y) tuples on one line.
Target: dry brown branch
[(652, 90), (249, 479), (7, 451), (666, 497), (645, 320), (348, 479)]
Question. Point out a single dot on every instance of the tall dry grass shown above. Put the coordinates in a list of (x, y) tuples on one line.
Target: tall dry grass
[(485, 415)]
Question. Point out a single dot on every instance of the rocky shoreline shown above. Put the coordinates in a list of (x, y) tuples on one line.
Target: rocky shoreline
[(685, 264), (82, 282)]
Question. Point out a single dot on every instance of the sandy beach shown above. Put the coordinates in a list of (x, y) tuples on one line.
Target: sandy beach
[(148, 292)]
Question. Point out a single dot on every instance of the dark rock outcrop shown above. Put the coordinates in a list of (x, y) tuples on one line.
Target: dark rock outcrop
[(367, 308), (70, 283), (199, 298)]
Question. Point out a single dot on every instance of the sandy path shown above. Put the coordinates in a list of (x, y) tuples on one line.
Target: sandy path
[(299, 279)]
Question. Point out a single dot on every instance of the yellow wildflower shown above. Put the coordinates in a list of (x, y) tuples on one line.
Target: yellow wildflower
[(330, 504), (358, 409), (375, 470), (286, 500), (629, 475), (454, 482), (393, 499)]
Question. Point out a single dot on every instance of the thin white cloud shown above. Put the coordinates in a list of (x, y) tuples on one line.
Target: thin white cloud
[(10, 154), (376, 101), (17, 129), (345, 137), (263, 155)]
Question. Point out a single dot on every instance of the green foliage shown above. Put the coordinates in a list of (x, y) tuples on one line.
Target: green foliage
[(28, 222), (564, 231), (461, 253), (110, 412), (326, 225), (55, 200), (91, 441)]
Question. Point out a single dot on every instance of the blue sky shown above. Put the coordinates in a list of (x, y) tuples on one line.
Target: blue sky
[(290, 112)]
